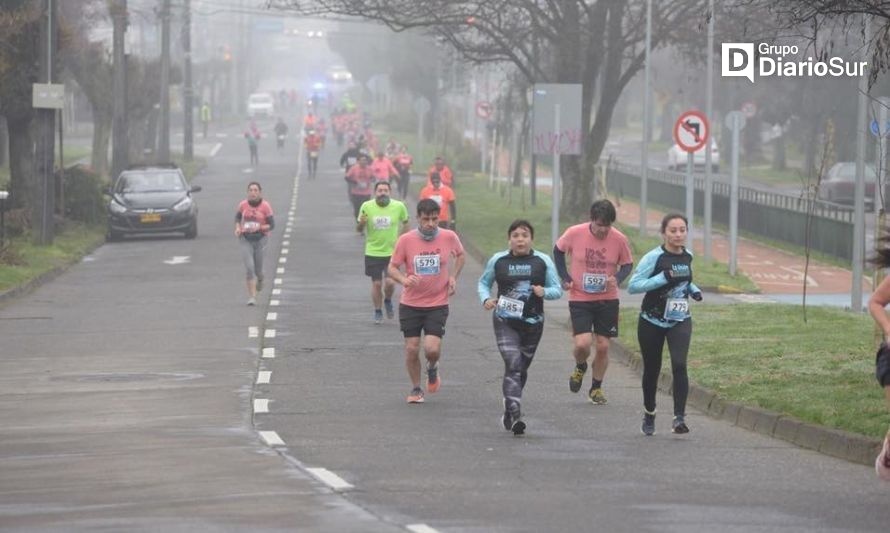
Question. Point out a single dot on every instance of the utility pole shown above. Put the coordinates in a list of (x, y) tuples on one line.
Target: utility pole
[(119, 144), (859, 189), (647, 126), (43, 205), (164, 122), (709, 112), (188, 149)]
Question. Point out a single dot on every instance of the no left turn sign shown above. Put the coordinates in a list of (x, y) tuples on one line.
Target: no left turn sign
[(691, 131)]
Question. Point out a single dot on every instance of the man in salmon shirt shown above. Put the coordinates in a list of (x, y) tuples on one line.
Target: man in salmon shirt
[(423, 308), (361, 184), (601, 260), (383, 169), (443, 170)]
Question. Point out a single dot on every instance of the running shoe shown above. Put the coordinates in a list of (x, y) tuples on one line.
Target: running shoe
[(378, 316), (679, 425), (433, 381), (416, 395), (648, 427), (506, 418), (259, 284), (597, 396), (577, 377), (390, 312), (251, 301), (518, 427)]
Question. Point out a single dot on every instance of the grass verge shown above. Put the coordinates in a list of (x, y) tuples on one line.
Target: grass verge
[(820, 371)]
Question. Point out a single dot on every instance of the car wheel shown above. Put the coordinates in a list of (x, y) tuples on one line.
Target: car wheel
[(192, 232)]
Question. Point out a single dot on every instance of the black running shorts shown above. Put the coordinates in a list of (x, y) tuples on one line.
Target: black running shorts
[(600, 317), (430, 320), (375, 267)]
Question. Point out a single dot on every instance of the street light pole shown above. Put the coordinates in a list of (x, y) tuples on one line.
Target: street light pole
[(709, 112), (859, 189), (164, 123), (647, 126), (188, 148)]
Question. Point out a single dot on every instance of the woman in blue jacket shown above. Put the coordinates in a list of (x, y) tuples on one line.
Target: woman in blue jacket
[(525, 279), (665, 275)]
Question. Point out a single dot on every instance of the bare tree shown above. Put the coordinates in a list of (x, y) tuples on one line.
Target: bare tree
[(595, 43)]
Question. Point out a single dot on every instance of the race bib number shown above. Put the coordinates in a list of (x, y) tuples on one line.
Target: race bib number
[(437, 198), (250, 226), (313, 154), (382, 222), (426, 265), (676, 309), (350, 161), (593, 283), (510, 307)]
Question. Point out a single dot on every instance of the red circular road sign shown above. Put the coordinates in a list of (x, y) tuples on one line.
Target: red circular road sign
[(691, 131), (483, 109)]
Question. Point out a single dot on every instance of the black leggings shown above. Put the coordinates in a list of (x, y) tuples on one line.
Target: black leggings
[(652, 339)]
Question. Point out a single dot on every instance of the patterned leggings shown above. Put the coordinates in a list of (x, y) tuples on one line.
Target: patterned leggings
[(517, 343)]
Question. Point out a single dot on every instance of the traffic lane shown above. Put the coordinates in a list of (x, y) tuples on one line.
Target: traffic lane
[(338, 393), (125, 392)]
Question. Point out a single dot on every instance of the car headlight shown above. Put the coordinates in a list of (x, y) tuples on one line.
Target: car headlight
[(116, 208), (183, 205)]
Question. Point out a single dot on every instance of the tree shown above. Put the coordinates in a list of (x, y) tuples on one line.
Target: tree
[(19, 28), (595, 43)]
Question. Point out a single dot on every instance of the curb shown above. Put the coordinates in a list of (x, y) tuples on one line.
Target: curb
[(46, 277), (836, 443)]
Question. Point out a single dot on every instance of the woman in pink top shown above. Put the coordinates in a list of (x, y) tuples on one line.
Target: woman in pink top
[(253, 222), (383, 169), (876, 304), (428, 281), (601, 259)]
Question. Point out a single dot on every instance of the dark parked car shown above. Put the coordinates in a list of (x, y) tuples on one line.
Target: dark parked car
[(839, 183), (152, 200)]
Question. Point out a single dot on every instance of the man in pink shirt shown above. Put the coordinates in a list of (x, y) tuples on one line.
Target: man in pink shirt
[(361, 184), (600, 261), (426, 255), (383, 169)]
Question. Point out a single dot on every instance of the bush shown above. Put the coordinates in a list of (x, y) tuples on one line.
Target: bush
[(83, 195)]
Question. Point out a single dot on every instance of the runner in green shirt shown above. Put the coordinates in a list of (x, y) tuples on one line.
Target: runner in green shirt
[(383, 219)]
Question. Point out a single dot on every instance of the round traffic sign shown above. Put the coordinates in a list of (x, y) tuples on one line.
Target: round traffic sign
[(483, 109), (735, 116), (691, 131)]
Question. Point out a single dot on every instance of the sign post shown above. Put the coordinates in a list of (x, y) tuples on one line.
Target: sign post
[(735, 121), (556, 130), (691, 132)]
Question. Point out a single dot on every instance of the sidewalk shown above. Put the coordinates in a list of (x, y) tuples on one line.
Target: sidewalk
[(774, 271)]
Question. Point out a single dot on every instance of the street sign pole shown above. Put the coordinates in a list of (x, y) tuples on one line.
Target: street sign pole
[(709, 111), (647, 125), (734, 195), (859, 189), (554, 209), (690, 197)]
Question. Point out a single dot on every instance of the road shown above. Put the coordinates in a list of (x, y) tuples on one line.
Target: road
[(129, 402)]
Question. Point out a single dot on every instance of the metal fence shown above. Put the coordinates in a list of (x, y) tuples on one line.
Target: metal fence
[(773, 215)]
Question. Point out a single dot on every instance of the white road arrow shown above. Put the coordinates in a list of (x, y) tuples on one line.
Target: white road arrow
[(178, 260)]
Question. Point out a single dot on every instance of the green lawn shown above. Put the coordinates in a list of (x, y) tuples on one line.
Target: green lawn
[(821, 371), (765, 174)]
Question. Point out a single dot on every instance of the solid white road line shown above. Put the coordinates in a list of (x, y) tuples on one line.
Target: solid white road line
[(270, 334), (215, 149), (271, 316), (263, 377), (261, 406), (420, 528), (329, 478), (253, 332), (268, 353), (271, 438)]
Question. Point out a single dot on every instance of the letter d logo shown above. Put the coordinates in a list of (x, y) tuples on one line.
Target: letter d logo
[(737, 59)]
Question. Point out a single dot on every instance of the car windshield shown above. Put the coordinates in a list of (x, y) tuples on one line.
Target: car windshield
[(138, 182)]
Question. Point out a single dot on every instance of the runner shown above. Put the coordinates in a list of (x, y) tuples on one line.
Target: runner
[(876, 304), (361, 183), (383, 169), (312, 144), (426, 255), (525, 279), (443, 170), (388, 219), (280, 133), (253, 222), (444, 196), (665, 275), (253, 136), (601, 259), (403, 162)]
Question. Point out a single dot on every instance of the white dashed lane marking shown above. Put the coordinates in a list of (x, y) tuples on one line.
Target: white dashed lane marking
[(330, 479), (271, 316), (420, 528), (253, 332), (271, 438), (261, 406), (278, 281), (274, 303), (263, 377), (276, 292), (270, 334), (268, 353)]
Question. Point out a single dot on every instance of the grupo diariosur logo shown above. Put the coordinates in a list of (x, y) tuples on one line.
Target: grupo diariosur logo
[(740, 60)]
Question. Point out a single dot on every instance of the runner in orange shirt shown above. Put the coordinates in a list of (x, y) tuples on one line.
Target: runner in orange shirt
[(444, 196), (383, 169), (443, 170), (403, 162), (312, 143)]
